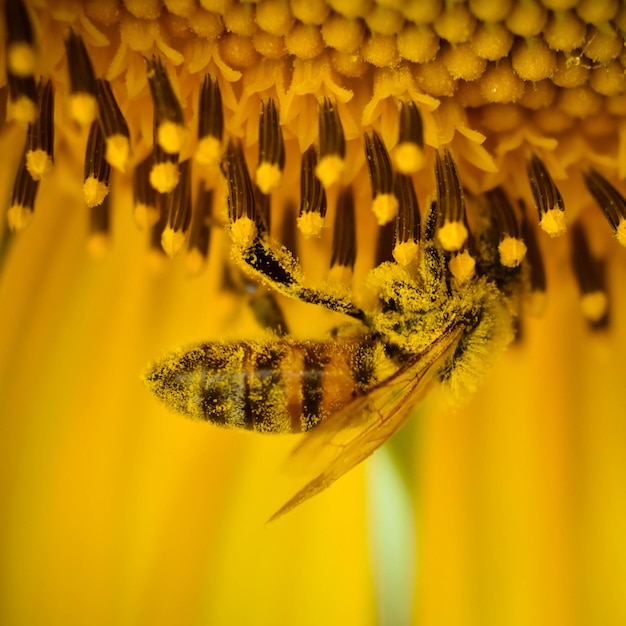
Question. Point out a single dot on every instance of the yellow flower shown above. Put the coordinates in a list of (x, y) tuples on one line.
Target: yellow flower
[(114, 510)]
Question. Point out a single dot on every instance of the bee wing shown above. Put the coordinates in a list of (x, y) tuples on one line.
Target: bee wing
[(343, 444)]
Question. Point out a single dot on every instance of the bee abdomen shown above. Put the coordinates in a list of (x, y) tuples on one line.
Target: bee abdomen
[(275, 387)]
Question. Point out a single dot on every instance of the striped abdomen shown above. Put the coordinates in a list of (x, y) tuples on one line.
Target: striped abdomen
[(277, 386)]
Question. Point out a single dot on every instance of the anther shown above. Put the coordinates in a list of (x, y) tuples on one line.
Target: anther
[(114, 126), (589, 275), (536, 299), (145, 209), (178, 211), (548, 199), (170, 127), (23, 198), (408, 154), (332, 144), (462, 266), (97, 170), (384, 203), (511, 248), (99, 229), (312, 197), (23, 98), (241, 201), (83, 99), (210, 123), (200, 230), (40, 141), (164, 173), (611, 202), (344, 232), (271, 149), (452, 229), (20, 49), (407, 221)]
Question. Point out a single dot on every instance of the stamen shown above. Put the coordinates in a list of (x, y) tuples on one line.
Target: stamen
[(97, 170), (40, 141), (589, 275), (241, 202), (407, 222), (114, 127), (611, 202), (332, 144), (210, 123), (99, 229), (23, 99), (548, 199), (511, 248), (452, 230), (344, 232), (536, 298), (170, 126), (178, 211), (82, 100), (164, 173), (20, 49), (145, 210), (23, 198), (385, 203), (271, 149), (408, 154), (312, 197), (200, 231)]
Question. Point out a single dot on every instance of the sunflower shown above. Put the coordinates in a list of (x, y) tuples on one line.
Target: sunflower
[(149, 144)]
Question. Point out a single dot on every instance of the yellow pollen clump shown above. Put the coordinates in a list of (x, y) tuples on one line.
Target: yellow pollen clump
[(579, 102), (533, 60), (384, 20), (106, 12), (268, 177), (329, 170), (304, 41), (405, 252), (274, 17), (385, 207), (347, 64), (351, 8), (171, 137), (164, 176), (407, 157), (423, 12), (38, 163), (208, 151), (527, 18), (500, 83), (22, 109), (452, 235), (512, 251), (269, 46), (94, 191), (570, 72), (243, 232), (538, 96), (21, 59), (434, 78), (83, 108), (117, 151), (565, 31), (138, 34), (238, 51), (456, 24), (182, 8), (462, 266), (603, 43), (594, 305), (417, 43), (492, 41), (310, 224), (490, 11), (173, 241), (343, 34), (206, 24), (553, 222), (608, 80), (462, 62), (18, 217)]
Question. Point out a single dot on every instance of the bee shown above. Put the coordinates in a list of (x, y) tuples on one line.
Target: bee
[(443, 311)]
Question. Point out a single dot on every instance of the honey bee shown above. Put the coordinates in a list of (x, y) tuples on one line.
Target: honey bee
[(441, 314)]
